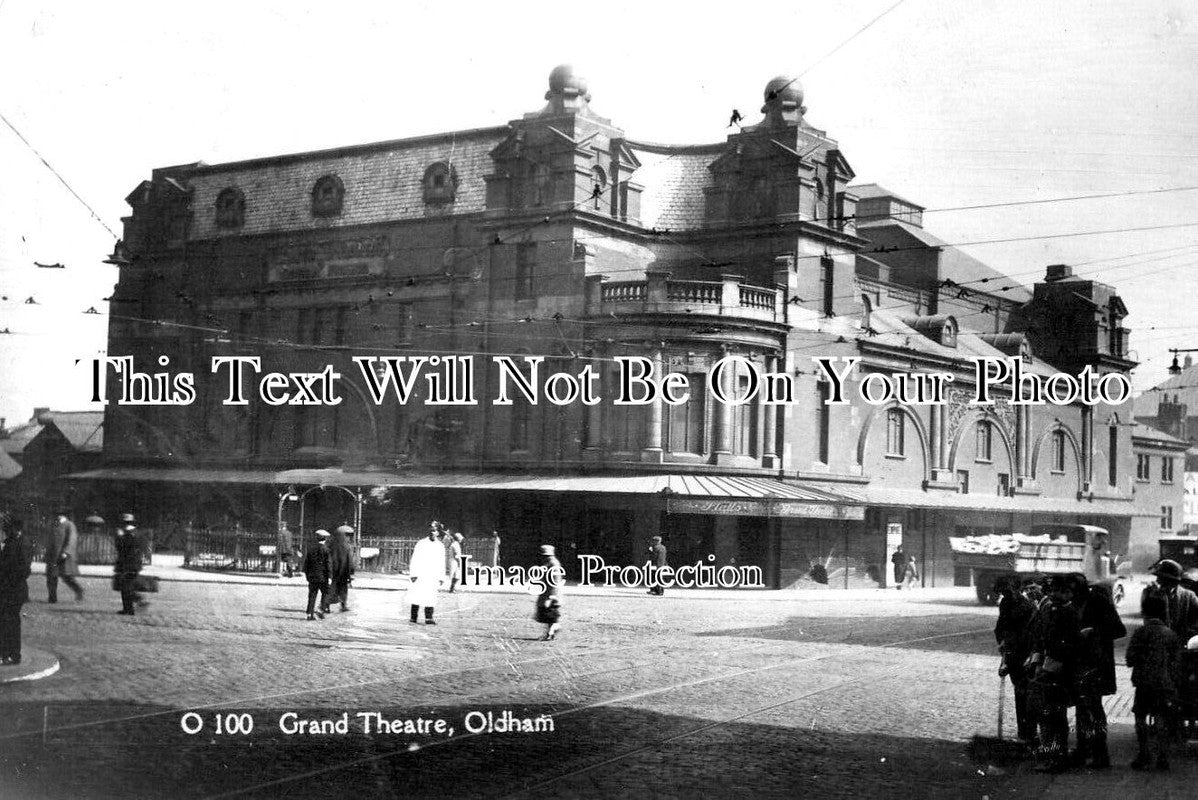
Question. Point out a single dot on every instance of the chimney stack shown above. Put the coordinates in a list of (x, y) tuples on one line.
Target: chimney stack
[(1056, 272)]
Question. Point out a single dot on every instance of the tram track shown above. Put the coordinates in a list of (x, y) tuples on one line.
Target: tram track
[(738, 674)]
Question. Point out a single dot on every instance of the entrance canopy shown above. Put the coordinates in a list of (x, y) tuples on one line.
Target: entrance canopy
[(682, 494)]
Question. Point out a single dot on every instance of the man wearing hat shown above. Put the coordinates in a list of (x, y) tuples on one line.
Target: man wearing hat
[(61, 542), (426, 572), (316, 570), (1181, 605), (128, 565), (657, 551)]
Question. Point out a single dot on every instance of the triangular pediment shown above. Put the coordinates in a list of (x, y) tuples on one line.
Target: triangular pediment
[(624, 154), (843, 168)]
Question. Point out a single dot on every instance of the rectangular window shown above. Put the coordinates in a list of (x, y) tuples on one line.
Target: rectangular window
[(894, 433), (1058, 452), (685, 422), (403, 324), (1166, 470), (828, 274), (521, 419), (1004, 484), (963, 481), (303, 326), (1112, 464), (526, 258), (1143, 469), (825, 419), (744, 441), (340, 324), (1166, 518), (985, 439)]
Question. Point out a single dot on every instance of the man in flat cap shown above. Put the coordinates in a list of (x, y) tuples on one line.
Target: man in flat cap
[(316, 570)]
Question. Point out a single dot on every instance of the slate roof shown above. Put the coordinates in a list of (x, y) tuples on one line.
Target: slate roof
[(83, 429), (954, 263), (674, 178), (9, 468), (382, 182), (871, 191), (1142, 431)]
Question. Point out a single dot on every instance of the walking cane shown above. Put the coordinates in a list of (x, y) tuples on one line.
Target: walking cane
[(1002, 686)]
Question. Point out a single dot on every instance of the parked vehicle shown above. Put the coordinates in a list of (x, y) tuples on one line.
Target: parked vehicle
[(1183, 550), (1047, 550)]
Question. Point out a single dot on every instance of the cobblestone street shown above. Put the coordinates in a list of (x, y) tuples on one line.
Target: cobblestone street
[(751, 694)]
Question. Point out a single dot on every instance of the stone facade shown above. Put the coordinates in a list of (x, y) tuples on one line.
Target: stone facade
[(558, 236)]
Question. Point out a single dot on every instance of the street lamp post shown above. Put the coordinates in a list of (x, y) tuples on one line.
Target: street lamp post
[(1175, 368), (283, 498)]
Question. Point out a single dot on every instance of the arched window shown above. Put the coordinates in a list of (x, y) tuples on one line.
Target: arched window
[(1058, 451), (895, 435), (985, 441), (440, 183), (328, 194), (230, 208)]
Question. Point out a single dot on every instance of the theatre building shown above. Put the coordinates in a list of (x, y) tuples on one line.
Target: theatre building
[(562, 243)]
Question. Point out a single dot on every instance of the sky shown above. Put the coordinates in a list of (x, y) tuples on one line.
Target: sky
[(949, 103)]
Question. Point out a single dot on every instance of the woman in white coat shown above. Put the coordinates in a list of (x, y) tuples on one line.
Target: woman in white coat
[(426, 571)]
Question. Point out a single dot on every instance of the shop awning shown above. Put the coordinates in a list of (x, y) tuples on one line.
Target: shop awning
[(682, 494), (953, 501)]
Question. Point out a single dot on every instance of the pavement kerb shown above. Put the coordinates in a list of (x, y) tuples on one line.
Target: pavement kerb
[(35, 663), (397, 583)]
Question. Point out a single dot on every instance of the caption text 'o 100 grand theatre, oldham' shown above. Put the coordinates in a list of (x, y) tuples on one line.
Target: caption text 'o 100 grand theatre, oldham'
[(558, 235)]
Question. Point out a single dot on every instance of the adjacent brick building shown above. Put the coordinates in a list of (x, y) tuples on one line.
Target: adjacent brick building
[(560, 236)]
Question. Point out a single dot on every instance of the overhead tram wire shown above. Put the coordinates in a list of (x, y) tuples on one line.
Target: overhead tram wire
[(58, 175)]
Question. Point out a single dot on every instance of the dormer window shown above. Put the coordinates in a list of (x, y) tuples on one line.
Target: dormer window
[(440, 183), (948, 335), (328, 194), (230, 208)]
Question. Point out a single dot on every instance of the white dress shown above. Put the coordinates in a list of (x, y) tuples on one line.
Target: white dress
[(428, 568)]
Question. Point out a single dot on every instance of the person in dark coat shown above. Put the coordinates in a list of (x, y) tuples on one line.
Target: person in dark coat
[(286, 550), (341, 567), (1055, 634), (316, 570), (657, 552), (899, 562), (62, 540), (549, 607), (1094, 674), (1013, 634), (14, 590), (1181, 605), (1152, 655), (128, 565)]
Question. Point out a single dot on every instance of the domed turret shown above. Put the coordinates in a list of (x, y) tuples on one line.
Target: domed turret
[(784, 100), (567, 91), (784, 88), (563, 79)]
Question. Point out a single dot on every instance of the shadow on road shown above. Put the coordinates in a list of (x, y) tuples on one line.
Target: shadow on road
[(106, 750), (950, 633)]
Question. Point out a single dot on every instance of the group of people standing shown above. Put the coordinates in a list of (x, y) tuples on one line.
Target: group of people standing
[(62, 564), (329, 570), (1058, 650)]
